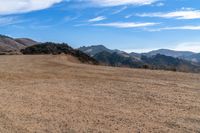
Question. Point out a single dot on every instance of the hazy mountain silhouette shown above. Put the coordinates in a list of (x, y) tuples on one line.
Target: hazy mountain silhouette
[(168, 52)]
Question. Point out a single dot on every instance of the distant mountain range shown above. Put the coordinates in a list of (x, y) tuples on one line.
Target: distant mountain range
[(159, 59), (186, 55), (168, 52)]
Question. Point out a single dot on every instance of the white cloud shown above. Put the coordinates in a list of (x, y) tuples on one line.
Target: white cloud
[(160, 4), (142, 50), (189, 27), (99, 18), (120, 10), (125, 24), (22, 6), (183, 14), (121, 2), (188, 46), (182, 28), (128, 16)]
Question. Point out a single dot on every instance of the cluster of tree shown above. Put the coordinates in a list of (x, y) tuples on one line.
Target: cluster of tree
[(56, 49)]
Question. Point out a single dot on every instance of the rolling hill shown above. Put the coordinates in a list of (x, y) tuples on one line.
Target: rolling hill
[(57, 49), (10, 45)]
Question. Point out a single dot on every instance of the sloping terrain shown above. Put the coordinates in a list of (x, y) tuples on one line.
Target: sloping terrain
[(57, 49), (10, 45), (194, 58), (26, 41), (170, 63), (50, 94), (117, 60)]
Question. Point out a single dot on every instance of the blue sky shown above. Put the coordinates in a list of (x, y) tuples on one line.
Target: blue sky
[(131, 25)]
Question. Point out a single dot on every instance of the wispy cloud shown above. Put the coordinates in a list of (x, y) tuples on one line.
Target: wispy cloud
[(121, 2), (189, 27), (125, 24), (99, 18), (22, 6), (183, 14), (10, 20), (120, 10), (160, 4), (128, 16), (70, 18)]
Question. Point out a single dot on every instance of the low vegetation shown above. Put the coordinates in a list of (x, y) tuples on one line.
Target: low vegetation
[(56, 49)]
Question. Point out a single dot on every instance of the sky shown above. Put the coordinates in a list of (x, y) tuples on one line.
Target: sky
[(130, 25)]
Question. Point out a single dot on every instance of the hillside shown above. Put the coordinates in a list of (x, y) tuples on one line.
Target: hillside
[(57, 49), (194, 58), (118, 60), (162, 59), (170, 63), (10, 45), (49, 93)]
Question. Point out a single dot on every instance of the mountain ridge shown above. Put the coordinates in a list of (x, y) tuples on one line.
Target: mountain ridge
[(151, 60), (186, 55)]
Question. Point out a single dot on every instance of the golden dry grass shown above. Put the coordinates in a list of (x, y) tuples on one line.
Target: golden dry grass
[(51, 94)]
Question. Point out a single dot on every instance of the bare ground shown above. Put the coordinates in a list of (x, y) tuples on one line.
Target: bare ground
[(56, 94)]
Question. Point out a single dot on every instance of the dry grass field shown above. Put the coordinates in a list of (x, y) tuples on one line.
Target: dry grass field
[(56, 94)]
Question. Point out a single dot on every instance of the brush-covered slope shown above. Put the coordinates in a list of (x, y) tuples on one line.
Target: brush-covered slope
[(117, 59), (194, 58), (170, 63), (56, 49)]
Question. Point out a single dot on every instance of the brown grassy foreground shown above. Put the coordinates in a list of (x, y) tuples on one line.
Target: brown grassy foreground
[(49, 94)]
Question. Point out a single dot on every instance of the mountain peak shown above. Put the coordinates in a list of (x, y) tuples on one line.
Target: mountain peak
[(94, 49)]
